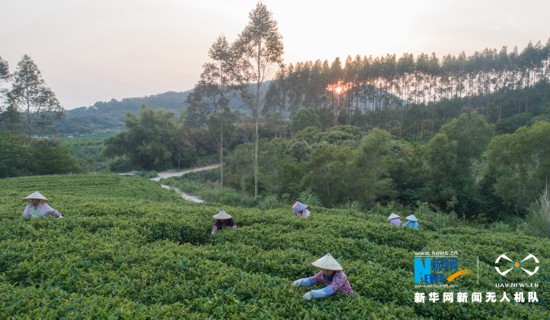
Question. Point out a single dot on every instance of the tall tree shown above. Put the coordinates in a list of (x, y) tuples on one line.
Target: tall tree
[(210, 97), (259, 47), (4, 76), (31, 96), (4, 69)]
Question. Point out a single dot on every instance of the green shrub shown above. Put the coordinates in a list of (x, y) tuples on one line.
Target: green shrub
[(500, 227), (128, 249), (310, 198), (269, 202), (538, 219)]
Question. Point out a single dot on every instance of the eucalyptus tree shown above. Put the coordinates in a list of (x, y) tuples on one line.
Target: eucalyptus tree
[(31, 96), (259, 48), (210, 97), (9, 117), (4, 70), (277, 94)]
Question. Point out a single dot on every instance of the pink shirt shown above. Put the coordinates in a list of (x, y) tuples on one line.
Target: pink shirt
[(396, 222), (339, 282), (40, 211)]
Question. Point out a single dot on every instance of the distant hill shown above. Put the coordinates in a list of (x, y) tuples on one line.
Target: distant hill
[(110, 115)]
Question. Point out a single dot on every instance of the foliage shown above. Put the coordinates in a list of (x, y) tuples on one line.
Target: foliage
[(153, 141), (209, 101), (15, 157), (258, 48), (130, 249), (450, 156), (4, 70), (520, 164), (36, 102), (108, 116), (49, 157), (42, 156), (309, 197), (4, 76), (302, 118), (87, 150), (538, 218), (500, 227)]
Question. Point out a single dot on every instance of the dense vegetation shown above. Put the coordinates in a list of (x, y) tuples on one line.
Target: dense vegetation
[(19, 156), (109, 115), (130, 249)]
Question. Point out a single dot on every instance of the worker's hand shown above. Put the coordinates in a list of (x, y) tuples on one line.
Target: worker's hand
[(60, 217), (308, 296), (297, 283)]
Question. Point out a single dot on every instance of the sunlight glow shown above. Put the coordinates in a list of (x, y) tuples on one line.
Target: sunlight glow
[(339, 87)]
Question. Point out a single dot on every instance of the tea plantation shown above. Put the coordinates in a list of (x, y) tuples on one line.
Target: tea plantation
[(128, 249)]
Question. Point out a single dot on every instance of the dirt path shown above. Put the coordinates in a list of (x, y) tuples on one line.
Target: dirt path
[(176, 173), (179, 173)]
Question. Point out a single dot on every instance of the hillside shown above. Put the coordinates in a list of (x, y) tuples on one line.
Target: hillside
[(129, 249), (110, 115)]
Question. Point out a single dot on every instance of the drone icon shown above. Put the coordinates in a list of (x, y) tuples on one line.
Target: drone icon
[(516, 264)]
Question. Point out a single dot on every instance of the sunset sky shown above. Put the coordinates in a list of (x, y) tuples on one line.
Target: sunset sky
[(96, 50)]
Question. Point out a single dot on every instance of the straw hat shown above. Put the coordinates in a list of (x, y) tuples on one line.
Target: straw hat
[(35, 195), (393, 216), (222, 215), (412, 218), (327, 262), (298, 206)]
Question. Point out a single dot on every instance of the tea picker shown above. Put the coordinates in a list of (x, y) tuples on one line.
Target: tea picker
[(331, 275)]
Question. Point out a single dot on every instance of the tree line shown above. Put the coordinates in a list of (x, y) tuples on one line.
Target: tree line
[(370, 83), (465, 168), (28, 111)]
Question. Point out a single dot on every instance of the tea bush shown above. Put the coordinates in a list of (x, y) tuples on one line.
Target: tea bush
[(128, 249)]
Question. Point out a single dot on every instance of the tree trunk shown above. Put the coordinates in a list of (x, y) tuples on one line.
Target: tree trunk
[(221, 153), (256, 157)]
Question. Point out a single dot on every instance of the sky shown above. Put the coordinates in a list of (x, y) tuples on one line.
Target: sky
[(98, 50)]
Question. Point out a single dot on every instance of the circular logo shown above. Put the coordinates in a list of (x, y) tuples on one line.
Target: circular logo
[(516, 265)]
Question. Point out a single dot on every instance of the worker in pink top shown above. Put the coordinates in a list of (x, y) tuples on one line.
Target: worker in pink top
[(300, 209), (395, 220), (38, 207), (331, 275)]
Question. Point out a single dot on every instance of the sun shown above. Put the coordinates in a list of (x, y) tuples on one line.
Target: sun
[(337, 88)]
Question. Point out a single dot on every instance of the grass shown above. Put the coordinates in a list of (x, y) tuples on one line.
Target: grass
[(538, 219)]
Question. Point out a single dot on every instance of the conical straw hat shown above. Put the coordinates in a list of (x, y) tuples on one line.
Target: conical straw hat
[(222, 215), (412, 218), (393, 216), (327, 262), (298, 206), (35, 195)]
